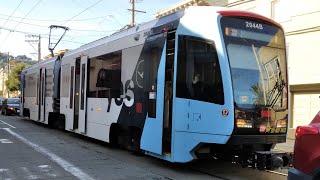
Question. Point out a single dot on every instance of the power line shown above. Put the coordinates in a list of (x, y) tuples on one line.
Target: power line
[(42, 35), (31, 24), (47, 35), (94, 4), (55, 20), (5, 39), (12, 13), (114, 18), (99, 23), (43, 26), (33, 7)]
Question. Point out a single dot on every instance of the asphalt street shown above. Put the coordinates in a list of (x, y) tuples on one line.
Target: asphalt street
[(29, 150)]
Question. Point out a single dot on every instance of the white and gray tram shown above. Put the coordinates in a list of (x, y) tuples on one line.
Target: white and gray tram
[(196, 82)]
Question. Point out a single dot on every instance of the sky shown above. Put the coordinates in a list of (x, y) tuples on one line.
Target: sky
[(88, 20)]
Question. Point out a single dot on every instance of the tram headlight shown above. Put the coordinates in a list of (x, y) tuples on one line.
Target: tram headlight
[(243, 123)]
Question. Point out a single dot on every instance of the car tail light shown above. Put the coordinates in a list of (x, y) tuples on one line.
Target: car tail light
[(306, 130)]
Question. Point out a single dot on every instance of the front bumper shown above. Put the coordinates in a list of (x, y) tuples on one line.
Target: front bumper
[(295, 174)]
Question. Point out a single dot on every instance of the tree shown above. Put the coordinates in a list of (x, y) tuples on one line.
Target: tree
[(13, 82)]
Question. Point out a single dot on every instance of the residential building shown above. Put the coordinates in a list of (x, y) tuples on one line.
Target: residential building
[(3, 78), (186, 3)]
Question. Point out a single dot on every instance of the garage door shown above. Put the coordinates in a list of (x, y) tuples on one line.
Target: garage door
[(305, 107)]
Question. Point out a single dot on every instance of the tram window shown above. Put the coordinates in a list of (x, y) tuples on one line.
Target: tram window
[(151, 55), (83, 71), (42, 87), (198, 71), (31, 85), (49, 83), (105, 76), (65, 80)]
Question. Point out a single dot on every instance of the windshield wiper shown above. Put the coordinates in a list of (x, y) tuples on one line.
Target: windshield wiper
[(277, 90), (279, 86)]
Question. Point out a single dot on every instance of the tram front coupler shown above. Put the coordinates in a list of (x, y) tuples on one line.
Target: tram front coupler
[(265, 160), (270, 160)]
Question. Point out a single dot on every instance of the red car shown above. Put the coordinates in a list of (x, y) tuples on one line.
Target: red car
[(306, 158)]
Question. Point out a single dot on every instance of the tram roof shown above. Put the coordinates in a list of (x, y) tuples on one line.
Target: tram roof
[(41, 63), (127, 32)]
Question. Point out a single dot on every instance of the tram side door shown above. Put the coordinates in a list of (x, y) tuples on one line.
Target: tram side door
[(83, 94), (156, 135), (76, 92), (168, 93), (42, 95)]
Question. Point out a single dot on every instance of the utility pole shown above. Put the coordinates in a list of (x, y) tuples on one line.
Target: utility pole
[(32, 39), (3, 82), (39, 48), (133, 11), (8, 60)]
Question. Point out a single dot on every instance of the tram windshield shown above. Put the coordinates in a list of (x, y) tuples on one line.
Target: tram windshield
[(256, 53)]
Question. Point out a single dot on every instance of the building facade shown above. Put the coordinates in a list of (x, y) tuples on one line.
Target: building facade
[(186, 3), (3, 79)]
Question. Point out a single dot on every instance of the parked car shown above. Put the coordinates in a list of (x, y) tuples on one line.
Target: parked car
[(10, 106), (306, 158)]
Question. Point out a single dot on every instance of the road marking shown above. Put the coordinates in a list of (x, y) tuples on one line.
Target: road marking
[(75, 171), (3, 170), (5, 141), (4, 173), (29, 175), (7, 124), (47, 170)]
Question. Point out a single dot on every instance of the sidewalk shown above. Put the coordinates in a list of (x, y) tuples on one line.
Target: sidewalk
[(286, 147)]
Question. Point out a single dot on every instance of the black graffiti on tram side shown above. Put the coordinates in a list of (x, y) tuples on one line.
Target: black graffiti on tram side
[(126, 95)]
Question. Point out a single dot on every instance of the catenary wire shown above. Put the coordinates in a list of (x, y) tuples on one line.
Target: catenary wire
[(33, 7), (5, 23), (94, 4)]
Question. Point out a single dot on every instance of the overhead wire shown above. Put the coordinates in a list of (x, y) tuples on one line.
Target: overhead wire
[(29, 12), (86, 9), (55, 20), (78, 14), (72, 19), (32, 33), (33, 7), (43, 26), (5, 23)]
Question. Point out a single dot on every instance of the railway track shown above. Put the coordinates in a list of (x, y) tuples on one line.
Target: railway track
[(229, 171)]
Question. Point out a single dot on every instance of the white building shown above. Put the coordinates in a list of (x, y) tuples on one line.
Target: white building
[(3, 79)]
